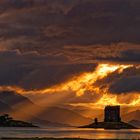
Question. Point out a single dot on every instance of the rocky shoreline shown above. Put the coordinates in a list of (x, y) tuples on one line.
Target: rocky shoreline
[(110, 125)]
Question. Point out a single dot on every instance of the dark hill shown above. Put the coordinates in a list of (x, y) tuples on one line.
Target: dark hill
[(133, 115), (44, 116), (135, 123), (7, 121), (4, 107), (11, 102), (65, 116), (12, 99)]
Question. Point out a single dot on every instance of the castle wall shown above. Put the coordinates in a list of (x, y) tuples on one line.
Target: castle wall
[(112, 114)]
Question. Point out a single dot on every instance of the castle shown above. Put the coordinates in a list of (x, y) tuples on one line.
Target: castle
[(112, 120), (112, 114)]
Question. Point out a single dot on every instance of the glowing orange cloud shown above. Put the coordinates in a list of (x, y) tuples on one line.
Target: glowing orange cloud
[(109, 99), (80, 84), (86, 82)]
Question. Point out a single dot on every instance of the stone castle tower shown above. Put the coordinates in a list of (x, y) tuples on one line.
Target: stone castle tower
[(112, 114)]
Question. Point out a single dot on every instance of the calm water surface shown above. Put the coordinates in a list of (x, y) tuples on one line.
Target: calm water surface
[(69, 132)]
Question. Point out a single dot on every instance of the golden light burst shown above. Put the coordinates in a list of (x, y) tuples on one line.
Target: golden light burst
[(79, 84), (110, 99), (85, 82)]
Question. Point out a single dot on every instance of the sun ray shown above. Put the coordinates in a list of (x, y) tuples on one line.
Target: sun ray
[(83, 82)]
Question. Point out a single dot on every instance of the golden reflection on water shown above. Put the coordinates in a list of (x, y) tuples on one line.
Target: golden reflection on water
[(70, 133)]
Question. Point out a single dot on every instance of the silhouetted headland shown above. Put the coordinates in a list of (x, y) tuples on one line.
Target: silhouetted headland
[(112, 120), (7, 121)]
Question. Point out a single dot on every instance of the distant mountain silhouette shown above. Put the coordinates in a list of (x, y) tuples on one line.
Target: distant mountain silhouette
[(86, 111), (133, 115), (4, 107), (11, 102), (135, 123), (12, 99), (47, 116), (65, 116)]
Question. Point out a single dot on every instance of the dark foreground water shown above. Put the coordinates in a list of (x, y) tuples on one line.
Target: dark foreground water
[(69, 132)]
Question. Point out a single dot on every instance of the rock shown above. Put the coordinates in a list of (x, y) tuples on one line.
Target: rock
[(110, 125)]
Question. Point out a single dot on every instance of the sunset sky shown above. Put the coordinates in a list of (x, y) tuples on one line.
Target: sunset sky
[(71, 52)]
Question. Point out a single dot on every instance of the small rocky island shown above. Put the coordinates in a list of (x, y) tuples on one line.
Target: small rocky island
[(7, 121), (112, 120)]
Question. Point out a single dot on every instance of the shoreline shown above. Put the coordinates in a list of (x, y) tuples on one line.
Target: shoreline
[(45, 139), (55, 139)]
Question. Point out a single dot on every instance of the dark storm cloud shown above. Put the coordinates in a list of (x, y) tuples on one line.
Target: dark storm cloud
[(48, 26), (50, 35), (124, 82), (15, 66), (131, 56), (115, 52), (51, 75), (126, 85), (44, 24), (33, 71)]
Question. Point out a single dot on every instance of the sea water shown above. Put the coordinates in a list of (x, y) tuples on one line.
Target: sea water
[(69, 133)]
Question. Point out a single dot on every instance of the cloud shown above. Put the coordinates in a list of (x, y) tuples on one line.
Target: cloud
[(34, 71), (97, 33), (126, 82), (126, 53), (45, 42), (126, 85)]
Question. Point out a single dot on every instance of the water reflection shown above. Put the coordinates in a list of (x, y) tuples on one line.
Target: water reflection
[(70, 132)]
